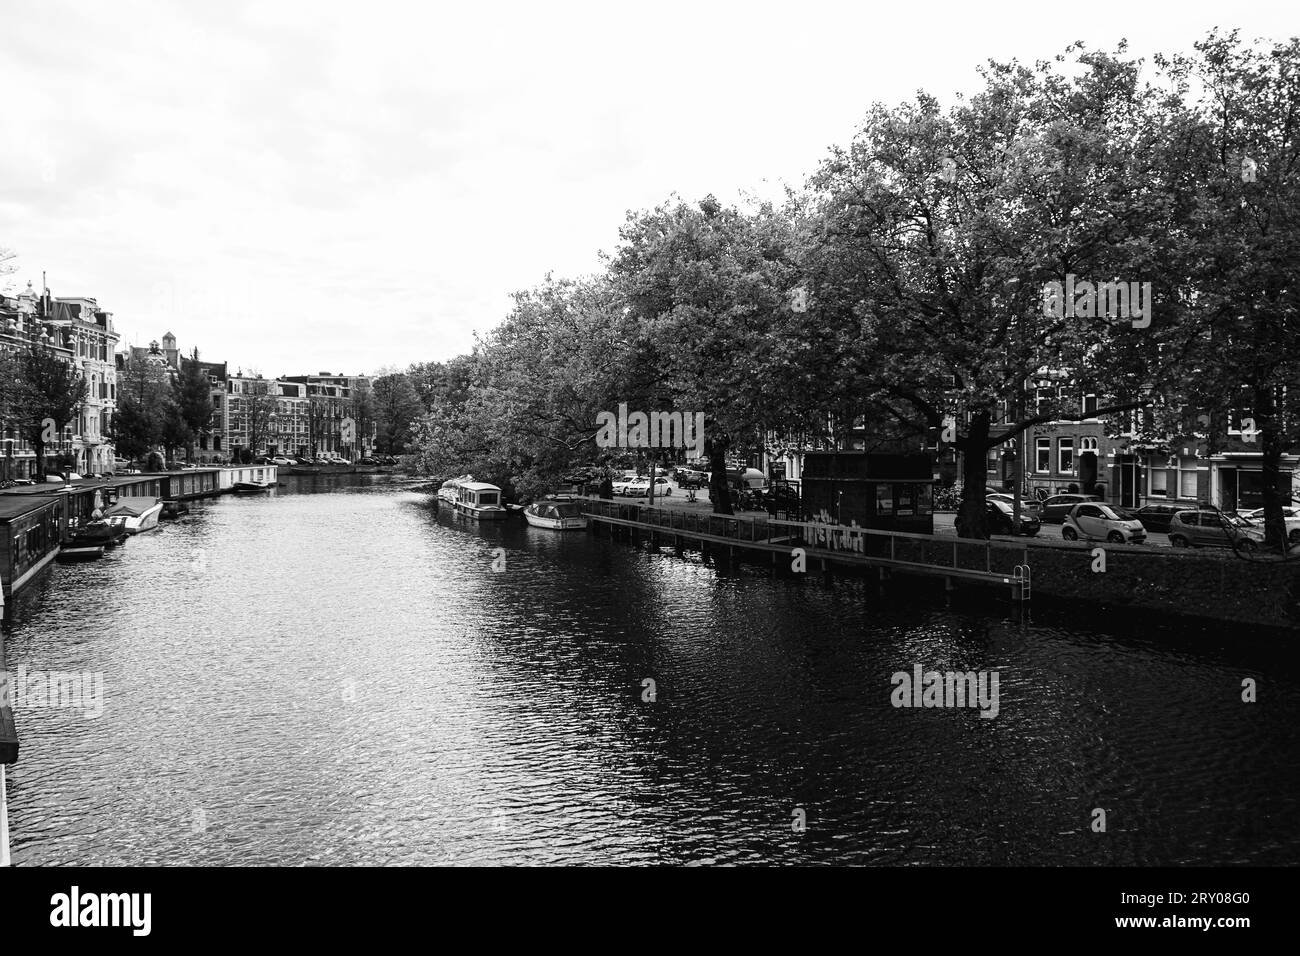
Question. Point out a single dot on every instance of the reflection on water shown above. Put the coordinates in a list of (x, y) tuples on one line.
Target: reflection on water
[(334, 674)]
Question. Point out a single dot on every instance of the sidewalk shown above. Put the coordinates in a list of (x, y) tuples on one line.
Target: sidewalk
[(677, 501)]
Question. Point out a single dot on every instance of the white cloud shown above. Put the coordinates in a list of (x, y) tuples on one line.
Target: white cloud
[(344, 186)]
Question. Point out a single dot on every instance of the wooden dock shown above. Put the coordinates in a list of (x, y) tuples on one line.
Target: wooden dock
[(816, 545)]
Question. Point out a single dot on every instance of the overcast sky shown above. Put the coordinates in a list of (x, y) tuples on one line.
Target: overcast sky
[(327, 186)]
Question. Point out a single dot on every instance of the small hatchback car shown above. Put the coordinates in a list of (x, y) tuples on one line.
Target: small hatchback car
[(1094, 521)]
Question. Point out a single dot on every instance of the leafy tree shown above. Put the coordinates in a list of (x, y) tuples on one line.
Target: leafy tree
[(397, 408), (259, 415), (143, 392), (1244, 221), (709, 289), (363, 416), (527, 412), (934, 234), (10, 392), (192, 396), (52, 392)]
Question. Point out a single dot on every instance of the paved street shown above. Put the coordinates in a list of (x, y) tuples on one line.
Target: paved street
[(943, 521), (944, 524)]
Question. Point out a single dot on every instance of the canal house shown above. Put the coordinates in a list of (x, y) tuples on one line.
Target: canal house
[(885, 492)]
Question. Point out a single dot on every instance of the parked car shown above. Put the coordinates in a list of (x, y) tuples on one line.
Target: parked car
[(1156, 517), (690, 478), (1031, 505), (1001, 519), (1290, 518), (281, 460), (778, 496), (1213, 529), (1100, 522), (640, 488), (1056, 507)]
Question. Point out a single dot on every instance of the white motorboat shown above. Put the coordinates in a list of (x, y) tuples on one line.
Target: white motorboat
[(555, 513), (478, 499), (141, 514)]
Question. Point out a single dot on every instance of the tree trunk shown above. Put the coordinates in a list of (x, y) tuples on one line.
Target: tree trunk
[(972, 515), (1272, 447), (719, 491)]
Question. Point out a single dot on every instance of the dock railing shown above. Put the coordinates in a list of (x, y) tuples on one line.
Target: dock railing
[(968, 557)]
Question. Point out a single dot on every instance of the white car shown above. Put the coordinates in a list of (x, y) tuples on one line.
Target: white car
[(281, 460), (640, 488), (1096, 520), (1290, 518)]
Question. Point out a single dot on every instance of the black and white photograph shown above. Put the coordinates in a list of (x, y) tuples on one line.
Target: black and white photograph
[(577, 435)]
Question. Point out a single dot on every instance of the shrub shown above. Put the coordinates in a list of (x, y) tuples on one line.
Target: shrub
[(948, 499)]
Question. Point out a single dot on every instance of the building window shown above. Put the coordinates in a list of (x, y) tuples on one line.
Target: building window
[(1088, 444), (1187, 478), (1159, 482), (1090, 405), (1042, 455), (1065, 456)]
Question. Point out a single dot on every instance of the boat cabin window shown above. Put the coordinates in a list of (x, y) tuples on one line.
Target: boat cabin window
[(487, 498)]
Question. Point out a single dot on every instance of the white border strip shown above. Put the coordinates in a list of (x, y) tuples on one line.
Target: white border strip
[(4, 821)]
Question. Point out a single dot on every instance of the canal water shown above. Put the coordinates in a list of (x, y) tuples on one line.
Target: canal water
[(335, 674)]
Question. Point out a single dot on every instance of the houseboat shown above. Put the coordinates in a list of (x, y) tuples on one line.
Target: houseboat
[(141, 513), (556, 513), (31, 527), (478, 499), (449, 493)]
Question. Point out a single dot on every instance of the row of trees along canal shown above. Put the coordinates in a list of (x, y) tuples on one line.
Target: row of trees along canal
[(924, 247)]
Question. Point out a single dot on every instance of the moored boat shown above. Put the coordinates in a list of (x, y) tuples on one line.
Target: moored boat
[(478, 499), (450, 490), (107, 532), (250, 487), (173, 508), (556, 513), (141, 514), (80, 551)]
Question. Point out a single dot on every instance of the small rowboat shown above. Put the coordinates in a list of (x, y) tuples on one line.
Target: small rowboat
[(250, 487)]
